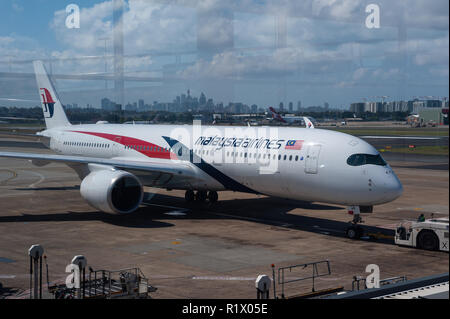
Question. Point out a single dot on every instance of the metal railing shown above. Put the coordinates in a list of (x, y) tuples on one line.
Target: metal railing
[(315, 274), (106, 284), (357, 280)]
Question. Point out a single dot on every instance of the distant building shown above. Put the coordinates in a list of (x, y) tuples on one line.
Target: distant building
[(357, 108), (445, 104), (433, 115), (236, 108), (108, 105), (210, 105), (141, 106), (374, 107), (412, 106), (395, 106), (202, 100), (420, 104), (291, 107), (131, 107)]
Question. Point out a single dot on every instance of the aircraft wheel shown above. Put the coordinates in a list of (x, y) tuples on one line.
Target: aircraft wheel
[(213, 197), (201, 196), (189, 196), (354, 232)]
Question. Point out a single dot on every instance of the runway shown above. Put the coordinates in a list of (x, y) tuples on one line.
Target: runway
[(404, 141)]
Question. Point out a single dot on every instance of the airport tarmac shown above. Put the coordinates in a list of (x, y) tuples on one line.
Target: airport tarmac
[(202, 251)]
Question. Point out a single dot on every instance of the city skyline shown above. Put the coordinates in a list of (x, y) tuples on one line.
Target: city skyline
[(188, 103)]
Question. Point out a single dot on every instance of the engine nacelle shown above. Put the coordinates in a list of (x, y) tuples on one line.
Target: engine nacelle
[(112, 191)]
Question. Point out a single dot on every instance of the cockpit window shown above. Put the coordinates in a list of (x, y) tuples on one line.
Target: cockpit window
[(365, 159)]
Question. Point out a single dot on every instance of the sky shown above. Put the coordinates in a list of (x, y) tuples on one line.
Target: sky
[(251, 51)]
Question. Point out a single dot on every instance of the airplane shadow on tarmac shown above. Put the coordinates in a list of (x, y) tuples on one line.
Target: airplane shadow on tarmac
[(265, 210), (62, 188), (133, 220)]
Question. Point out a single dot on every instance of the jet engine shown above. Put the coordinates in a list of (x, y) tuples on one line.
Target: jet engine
[(112, 191)]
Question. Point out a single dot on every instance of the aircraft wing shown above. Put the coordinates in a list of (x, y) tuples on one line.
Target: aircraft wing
[(151, 171)]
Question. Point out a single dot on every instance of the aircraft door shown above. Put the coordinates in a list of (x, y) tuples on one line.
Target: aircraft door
[(312, 159)]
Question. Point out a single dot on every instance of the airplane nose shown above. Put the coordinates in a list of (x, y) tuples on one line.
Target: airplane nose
[(392, 187)]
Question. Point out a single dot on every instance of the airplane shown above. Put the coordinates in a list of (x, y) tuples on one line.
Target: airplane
[(290, 119), (116, 161)]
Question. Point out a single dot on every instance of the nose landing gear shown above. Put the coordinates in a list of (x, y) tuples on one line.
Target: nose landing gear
[(354, 230)]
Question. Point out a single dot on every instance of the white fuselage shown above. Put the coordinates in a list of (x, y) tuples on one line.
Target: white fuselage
[(244, 159)]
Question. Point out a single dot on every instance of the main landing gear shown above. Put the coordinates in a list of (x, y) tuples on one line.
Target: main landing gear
[(354, 230), (201, 196)]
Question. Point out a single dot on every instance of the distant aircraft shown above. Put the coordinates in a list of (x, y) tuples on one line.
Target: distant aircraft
[(290, 119), (115, 161)]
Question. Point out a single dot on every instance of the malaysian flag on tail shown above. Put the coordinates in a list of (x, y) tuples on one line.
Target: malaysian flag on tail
[(294, 145)]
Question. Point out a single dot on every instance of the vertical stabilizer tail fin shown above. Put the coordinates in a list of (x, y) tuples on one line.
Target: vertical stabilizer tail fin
[(276, 116), (51, 105), (308, 122)]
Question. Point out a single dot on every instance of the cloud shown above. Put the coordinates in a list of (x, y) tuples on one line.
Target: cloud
[(95, 23), (359, 73), (281, 62), (430, 51), (5, 41), (146, 27)]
